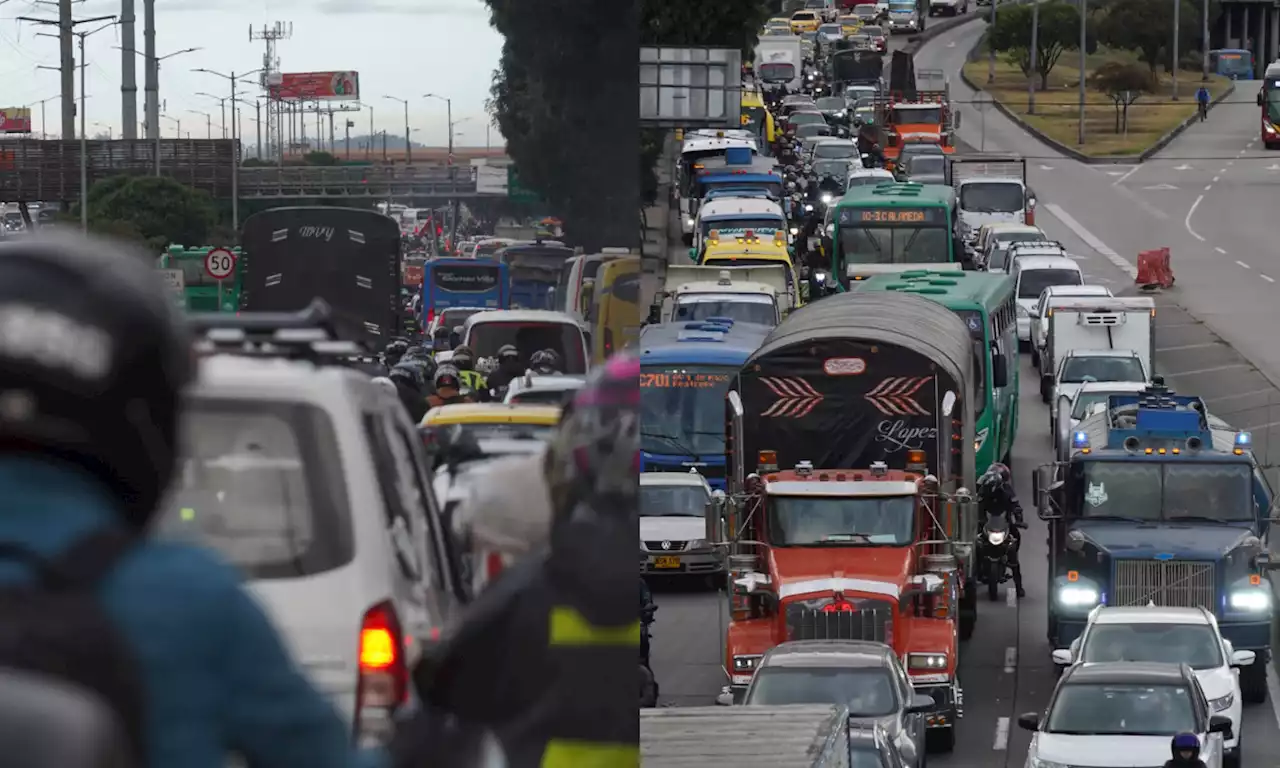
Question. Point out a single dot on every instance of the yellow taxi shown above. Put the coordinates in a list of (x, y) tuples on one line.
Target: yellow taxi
[(805, 21), (777, 25), (495, 421), (850, 25), (750, 249)]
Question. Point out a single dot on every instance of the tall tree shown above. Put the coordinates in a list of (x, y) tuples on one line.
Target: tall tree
[(1059, 32), (1146, 28), (159, 209)]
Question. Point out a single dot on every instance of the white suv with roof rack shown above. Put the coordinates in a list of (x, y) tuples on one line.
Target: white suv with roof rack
[(1033, 248), (312, 480)]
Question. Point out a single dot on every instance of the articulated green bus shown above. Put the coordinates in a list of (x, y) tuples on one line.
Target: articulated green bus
[(201, 292), (891, 227), (986, 303)]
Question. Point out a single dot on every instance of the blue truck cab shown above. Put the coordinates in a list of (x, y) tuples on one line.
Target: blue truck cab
[(686, 370), (1156, 501)]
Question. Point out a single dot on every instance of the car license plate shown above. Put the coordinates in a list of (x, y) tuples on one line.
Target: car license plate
[(666, 561)]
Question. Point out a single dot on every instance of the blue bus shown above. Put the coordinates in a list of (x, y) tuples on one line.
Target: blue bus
[(449, 283), (685, 373), (1233, 63), (534, 269)]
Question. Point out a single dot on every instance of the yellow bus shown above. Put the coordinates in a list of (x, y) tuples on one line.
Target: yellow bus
[(757, 119), (614, 316)]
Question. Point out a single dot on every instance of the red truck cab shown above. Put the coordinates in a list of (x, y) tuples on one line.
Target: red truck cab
[(847, 554)]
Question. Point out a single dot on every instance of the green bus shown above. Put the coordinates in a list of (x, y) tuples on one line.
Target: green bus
[(201, 292), (890, 227), (986, 302)]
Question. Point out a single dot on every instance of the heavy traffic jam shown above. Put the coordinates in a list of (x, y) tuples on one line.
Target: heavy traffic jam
[(830, 382)]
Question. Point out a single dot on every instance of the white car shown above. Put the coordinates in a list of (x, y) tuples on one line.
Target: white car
[(1168, 635), (451, 318), (673, 525), (1081, 366), (1031, 275), (994, 240), (869, 177), (1039, 317), (1120, 715), (542, 390), (1091, 398)]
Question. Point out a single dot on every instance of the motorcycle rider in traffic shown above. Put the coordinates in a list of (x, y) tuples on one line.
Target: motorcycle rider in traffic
[(509, 369), (997, 496), (1186, 752)]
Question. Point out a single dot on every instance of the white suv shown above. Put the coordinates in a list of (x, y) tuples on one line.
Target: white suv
[(312, 480), (1169, 635)]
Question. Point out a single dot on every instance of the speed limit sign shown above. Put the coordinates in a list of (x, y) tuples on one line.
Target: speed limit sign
[(219, 263)]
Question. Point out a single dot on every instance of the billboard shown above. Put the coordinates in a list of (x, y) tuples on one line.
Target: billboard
[(15, 120), (315, 86)]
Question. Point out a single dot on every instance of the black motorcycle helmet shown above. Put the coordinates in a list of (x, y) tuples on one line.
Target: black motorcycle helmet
[(545, 361), (93, 356), (447, 378), (463, 358), (508, 355)]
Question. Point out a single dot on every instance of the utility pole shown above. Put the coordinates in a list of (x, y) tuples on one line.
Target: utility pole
[(408, 147), (1084, 15), (368, 148), (67, 66), (991, 52), (1035, 41), (151, 77), (1204, 41), (271, 78), (84, 146), (235, 143), (128, 72), (1177, 5)]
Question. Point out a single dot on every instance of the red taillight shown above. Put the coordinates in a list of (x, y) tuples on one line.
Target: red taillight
[(383, 680), (431, 315), (493, 566)]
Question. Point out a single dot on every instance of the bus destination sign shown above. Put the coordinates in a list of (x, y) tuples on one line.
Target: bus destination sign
[(682, 380), (918, 217)]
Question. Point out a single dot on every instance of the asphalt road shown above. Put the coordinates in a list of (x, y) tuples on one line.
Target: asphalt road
[(1104, 215)]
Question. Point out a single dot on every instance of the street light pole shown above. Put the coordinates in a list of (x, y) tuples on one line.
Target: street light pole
[(235, 147), (408, 146), (448, 105), (84, 145), (1083, 16), (991, 51), (208, 122), (1177, 5), (1204, 42), (1035, 41)]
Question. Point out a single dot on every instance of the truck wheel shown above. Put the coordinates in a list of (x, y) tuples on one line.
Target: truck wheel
[(968, 610), (1045, 389), (1253, 681), (940, 739)]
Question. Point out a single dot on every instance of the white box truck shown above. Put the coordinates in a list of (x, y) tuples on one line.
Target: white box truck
[(1121, 323)]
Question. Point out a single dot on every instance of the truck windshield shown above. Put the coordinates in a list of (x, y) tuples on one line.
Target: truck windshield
[(763, 223), (739, 308), (896, 245), (840, 521), (916, 115), (1148, 490), (991, 197), (1078, 370), (776, 71), (866, 691), (682, 408)]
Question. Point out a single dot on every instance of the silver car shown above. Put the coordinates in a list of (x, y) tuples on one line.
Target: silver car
[(673, 527), (865, 676)]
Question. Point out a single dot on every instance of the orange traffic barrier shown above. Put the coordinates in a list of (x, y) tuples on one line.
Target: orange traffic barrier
[(1154, 269)]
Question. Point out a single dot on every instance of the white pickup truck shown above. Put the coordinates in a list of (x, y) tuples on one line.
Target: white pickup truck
[(743, 294)]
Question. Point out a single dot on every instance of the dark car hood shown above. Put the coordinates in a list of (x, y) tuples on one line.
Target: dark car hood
[(1185, 540)]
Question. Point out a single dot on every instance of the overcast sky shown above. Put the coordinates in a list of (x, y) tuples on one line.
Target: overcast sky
[(402, 48)]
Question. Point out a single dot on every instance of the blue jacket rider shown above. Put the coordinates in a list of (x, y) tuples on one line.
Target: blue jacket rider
[(215, 673)]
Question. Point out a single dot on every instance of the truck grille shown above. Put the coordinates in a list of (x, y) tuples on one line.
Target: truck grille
[(871, 620), (1171, 583)]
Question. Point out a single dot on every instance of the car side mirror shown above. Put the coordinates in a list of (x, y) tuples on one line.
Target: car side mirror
[(1062, 657), (1030, 721), (1222, 725), (920, 703), (1243, 658)]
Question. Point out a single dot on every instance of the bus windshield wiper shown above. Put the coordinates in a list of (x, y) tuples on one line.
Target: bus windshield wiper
[(1121, 518), (1198, 519), (673, 441)]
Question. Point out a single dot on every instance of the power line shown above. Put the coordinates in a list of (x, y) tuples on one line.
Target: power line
[(66, 30)]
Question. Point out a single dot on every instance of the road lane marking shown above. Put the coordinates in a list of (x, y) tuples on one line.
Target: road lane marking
[(1187, 221), (1260, 427), (1091, 240), (1268, 278), (1002, 733), (1215, 180), (1210, 370), (1231, 162), (1273, 688), (1120, 180), (1208, 187), (1011, 597), (1182, 347), (1241, 263), (1242, 394), (1010, 659), (1219, 250)]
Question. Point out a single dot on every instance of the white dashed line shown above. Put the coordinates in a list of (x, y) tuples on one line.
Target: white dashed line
[(1187, 221), (1224, 170), (1219, 250), (1181, 347), (1241, 263), (1010, 660), (1214, 369), (1231, 162), (1002, 733), (1208, 187), (1242, 394), (1268, 278), (1120, 180), (1272, 687), (1092, 240), (1011, 596), (1215, 179)]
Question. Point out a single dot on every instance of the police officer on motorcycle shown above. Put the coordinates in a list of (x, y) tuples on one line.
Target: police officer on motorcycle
[(996, 496)]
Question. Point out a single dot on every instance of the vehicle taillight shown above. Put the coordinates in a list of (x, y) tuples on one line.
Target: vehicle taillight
[(383, 681), (431, 315), (493, 566), (1031, 213)]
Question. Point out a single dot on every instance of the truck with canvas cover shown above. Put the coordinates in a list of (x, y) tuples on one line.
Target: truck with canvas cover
[(850, 446), (349, 257), (990, 189), (743, 294), (1155, 501), (790, 736)]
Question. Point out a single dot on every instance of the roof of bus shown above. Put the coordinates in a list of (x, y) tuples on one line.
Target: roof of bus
[(901, 194), (453, 261), (668, 343), (739, 206), (954, 290)]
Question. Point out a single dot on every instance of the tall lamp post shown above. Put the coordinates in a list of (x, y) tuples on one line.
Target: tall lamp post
[(232, 78), (448, 106), (408, 145), (208, 122)]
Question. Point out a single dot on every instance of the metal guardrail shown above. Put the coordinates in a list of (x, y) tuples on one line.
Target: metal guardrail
[(382, 182)]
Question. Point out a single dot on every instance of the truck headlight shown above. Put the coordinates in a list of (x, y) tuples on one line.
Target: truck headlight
[(745, 663), (1222, 703), (932, 662), (1251, 600), (1077, 596)]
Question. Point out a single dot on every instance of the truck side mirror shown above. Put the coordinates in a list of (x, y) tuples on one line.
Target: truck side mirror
[(1045, 483), (655, 313), (957, 119)]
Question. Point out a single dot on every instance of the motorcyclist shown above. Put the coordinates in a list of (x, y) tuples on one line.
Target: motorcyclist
[(93, 451), (543, 651), (545, 362), (1186, 752), (448, 386), (464, 359), (440, 339), (996, 495), (647, 610), (394, 351), (411, 387), (509, 369)]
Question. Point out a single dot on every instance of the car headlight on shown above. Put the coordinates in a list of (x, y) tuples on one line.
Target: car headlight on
[(1222, 703), (795, 230), (745, 663), (932, 662), (996, 537), (808, 206), (1077, 596), (1251, 600), (826, 199)]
